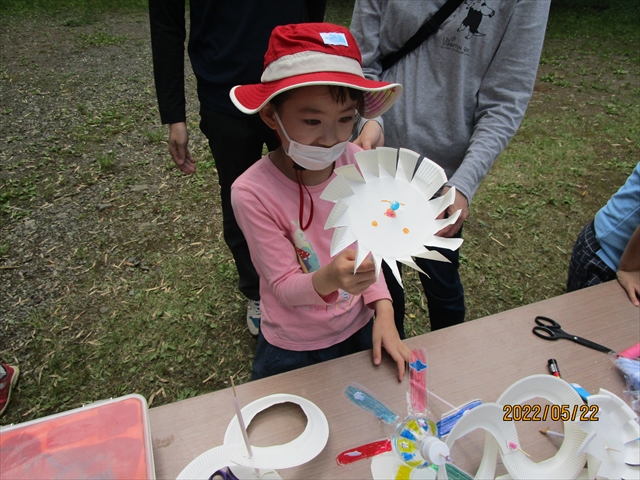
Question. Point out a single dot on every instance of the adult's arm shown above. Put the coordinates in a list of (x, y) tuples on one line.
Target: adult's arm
[(365, 27), (168, 34), (504, 93)]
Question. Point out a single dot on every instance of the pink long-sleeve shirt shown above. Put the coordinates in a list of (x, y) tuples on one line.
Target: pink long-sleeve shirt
[(294, 316)]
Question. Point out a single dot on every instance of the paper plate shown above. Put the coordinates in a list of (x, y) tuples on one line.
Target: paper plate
[(296, 452), (220, 457)]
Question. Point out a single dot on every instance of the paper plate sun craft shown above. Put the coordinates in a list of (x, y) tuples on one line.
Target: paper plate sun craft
[(388, 209)]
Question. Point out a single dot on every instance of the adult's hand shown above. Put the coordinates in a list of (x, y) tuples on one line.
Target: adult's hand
[(179, 147), (371, 136), (460, 203)]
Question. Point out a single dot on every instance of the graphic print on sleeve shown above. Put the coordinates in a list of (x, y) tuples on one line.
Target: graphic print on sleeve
[(306, 254)]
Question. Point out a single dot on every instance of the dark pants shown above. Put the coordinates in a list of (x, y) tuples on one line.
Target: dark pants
[(272, 360), (443, 289), (236, 144), (586, 268)]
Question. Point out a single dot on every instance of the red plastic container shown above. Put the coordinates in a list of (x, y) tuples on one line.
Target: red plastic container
[(108, 439)]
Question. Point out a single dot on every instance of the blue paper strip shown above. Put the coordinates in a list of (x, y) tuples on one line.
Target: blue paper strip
[(368, 402)]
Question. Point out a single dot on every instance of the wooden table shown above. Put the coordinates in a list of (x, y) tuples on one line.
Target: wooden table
[(478, 359)]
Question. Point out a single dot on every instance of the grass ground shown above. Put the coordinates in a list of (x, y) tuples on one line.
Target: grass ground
[(115, 278)]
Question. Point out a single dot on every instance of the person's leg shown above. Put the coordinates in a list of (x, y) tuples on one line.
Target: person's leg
[(271, 360), (358, 342), (443, 289), (397, 297), (585, 267), (236, 144)]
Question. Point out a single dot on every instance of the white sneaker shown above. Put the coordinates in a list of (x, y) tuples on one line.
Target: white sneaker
[(253, 317)]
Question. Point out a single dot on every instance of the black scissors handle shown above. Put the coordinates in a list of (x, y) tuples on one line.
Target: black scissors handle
[(549, 329), (547, 322), (546, 333)]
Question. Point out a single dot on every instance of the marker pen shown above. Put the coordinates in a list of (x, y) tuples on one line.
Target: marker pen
[(553, 367)]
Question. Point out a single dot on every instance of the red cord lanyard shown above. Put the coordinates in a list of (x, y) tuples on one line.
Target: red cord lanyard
[(301, 212)]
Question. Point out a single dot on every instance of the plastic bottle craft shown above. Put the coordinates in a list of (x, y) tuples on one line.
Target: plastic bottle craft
[(610, 446), (415, 444)]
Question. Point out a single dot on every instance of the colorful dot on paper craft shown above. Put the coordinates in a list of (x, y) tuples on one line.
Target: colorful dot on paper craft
[(374, 223), (418, 365), (358, 396), (395, 205), (405, 230), (514, 446), (390, 213)]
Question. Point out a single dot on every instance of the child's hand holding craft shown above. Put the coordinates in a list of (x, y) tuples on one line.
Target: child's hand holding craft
[(339, 275)]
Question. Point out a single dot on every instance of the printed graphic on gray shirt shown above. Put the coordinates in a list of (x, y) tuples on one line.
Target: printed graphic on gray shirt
[(475, 10)]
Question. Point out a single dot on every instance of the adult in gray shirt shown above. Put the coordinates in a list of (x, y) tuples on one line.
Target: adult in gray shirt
[(466, 89)]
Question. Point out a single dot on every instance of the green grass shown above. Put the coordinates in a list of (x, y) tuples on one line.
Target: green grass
[(144, 298), (81, 10), (106, 162), (597, 19), (100, 39)]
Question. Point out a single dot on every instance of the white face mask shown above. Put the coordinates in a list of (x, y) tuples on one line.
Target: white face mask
[(310, 157)]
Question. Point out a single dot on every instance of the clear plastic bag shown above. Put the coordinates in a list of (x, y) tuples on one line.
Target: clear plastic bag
[(630, 368)]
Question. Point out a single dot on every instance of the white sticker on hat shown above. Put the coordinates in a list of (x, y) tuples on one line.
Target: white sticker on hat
[(334, 38)]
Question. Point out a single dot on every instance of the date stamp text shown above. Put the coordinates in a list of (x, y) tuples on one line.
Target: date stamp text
[(539, 413)]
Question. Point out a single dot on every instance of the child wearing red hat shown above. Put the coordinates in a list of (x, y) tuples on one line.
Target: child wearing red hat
[(314, 308)]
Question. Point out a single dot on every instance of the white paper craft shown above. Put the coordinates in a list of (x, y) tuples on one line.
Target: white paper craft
[(233, 452), (610, 448), (388, 209), (613, 442)]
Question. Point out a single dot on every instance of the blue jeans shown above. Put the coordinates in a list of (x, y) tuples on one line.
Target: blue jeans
[(443, 289), (272, 360)]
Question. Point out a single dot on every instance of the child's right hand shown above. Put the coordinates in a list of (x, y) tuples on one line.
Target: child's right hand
[(339, 275)]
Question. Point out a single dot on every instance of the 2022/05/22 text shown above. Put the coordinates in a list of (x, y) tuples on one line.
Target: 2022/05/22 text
[(539, 413)]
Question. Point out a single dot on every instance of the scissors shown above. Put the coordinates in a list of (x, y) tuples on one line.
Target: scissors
[(550, 330)]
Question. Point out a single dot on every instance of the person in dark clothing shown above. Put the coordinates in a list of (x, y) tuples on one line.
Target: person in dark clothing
[(227, 42)]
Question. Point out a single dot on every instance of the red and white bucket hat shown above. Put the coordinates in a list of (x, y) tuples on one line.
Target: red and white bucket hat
[(305, 54)]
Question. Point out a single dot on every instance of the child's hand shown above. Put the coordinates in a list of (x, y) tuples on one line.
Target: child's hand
[(339, 274), (385, 334), (630, 281)]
